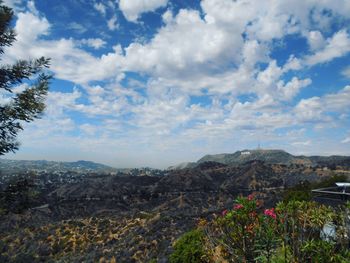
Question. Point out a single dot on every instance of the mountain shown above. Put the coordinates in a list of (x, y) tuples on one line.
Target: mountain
[(270, 157), (22, 166), (332, 160)]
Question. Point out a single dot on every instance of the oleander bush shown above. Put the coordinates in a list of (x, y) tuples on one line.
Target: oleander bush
[(292, 231)]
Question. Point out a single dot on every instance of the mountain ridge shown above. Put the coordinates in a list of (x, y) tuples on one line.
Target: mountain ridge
[(26, 165), (271, 156)]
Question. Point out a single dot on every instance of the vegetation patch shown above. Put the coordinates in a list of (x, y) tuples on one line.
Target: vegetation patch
[(292, 231)]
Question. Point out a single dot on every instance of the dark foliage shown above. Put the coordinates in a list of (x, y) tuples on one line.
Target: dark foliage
[(18, 196)]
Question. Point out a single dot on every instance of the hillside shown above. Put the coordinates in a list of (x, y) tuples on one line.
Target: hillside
[(134, 218)]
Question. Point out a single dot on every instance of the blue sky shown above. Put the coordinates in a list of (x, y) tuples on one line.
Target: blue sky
[(158, 82)]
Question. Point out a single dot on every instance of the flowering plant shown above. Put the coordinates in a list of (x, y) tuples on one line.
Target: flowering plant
[(270, 213), (237, 206), (237, 229), (290, 232)]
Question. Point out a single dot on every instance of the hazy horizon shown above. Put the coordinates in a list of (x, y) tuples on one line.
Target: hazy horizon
[(159, 82), (156, 166)]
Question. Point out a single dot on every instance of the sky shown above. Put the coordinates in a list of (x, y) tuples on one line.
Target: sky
[(159, 82)]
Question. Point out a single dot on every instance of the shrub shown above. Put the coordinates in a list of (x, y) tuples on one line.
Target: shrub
[(291, 232), (189, 248)]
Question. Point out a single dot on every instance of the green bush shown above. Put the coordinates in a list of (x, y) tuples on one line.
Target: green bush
[(189, 248), (300, 192)]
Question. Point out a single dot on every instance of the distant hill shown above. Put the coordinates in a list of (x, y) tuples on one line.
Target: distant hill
[(14, 166), (270, 157), (239, 157)]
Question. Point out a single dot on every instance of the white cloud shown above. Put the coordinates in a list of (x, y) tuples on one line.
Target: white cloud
[(68, 61), (79, 28), (293, 63), (101, 8), (20, 88), (112, 23), (268, 77), (88, 129), (31, 7), (292, 88), (167, 16), (29, 27), (57, 102), (196, 49), (186, 47), (346, 140), (346, 72), (55, 119), (95, 43), (337, 102), (4, 99), (254, 52), (7, 97), (133, 9), (315, 109), (337, 46), (315, 40)]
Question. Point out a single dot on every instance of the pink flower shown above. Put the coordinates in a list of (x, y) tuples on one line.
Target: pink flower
[(223, 213), (250, 197), (270, 213), (237, 206)]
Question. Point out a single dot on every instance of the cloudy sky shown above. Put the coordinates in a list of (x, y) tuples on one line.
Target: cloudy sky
[(158, 82)]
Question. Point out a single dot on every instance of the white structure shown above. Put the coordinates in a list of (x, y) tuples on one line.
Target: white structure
[(343, 185)]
